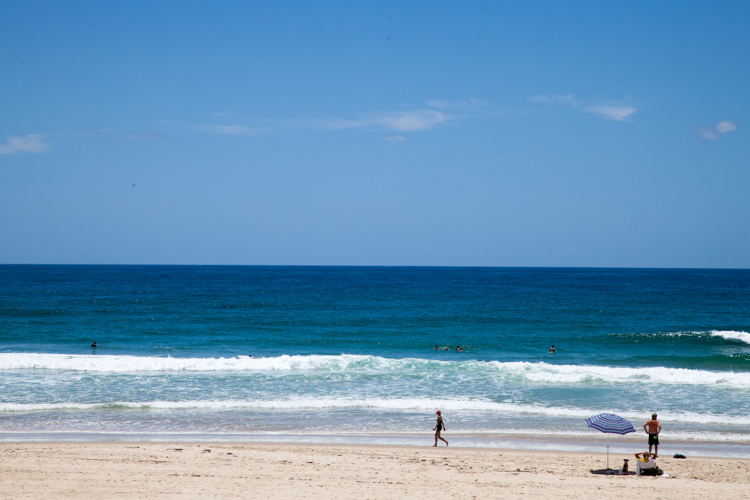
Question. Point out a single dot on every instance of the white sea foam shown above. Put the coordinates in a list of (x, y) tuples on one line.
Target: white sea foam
[(519, 371), (569, 374), (313, 404), (130, 364), (732, 335)]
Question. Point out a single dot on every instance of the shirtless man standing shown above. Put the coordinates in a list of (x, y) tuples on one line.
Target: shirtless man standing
[(653, 428), (439, 427)]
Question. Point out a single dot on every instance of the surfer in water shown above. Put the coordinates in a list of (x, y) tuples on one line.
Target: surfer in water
[(551, 350), (94, 345), (439, 427)]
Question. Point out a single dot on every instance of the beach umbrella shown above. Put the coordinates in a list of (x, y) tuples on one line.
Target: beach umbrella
[(609, 423)]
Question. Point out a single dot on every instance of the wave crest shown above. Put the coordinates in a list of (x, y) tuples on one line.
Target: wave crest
[(732, 335), (517, 371)]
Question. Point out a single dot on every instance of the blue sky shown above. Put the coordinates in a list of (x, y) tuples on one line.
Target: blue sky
[(376, 133)]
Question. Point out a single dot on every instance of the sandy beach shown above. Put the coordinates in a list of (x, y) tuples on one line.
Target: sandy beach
[(225, 470)]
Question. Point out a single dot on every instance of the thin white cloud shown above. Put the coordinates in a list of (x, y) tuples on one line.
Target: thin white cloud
[(38, 143), (568, 99), (394, 121), (706, 134), (408, 121), (395, 138), (459, 105), (726, 126), (222, 129), (618, 113), (608, 110), (143, 135), (98, 132), (31, 143), (397, 121), (211, 128), (332, 124), (714, 132), (108, 133)]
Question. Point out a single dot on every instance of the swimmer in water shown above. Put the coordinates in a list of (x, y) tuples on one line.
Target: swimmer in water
[(552, 350), (458, 348), (94, 345)]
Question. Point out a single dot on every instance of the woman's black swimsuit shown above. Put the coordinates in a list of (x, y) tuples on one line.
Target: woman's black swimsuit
[(439, 425)]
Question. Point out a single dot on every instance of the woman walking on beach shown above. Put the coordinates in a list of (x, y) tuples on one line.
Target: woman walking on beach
[(439, 427)]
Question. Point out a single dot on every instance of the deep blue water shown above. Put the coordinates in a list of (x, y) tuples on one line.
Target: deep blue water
[(336, 349)]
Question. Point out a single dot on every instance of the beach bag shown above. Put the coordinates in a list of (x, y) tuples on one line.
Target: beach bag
[(652, 471)]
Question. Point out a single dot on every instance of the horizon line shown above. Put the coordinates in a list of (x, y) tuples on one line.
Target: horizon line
[(386, 266)]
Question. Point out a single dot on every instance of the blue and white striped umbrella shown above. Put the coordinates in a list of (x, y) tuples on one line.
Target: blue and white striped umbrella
[(610, 423)]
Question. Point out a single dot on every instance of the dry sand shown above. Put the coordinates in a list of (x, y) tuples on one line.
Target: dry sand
[(270, 471)]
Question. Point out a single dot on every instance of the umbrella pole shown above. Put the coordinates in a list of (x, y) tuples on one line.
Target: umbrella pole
[(608, 451)]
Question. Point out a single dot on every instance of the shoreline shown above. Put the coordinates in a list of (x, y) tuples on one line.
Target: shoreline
[(592, 445), (175, 469)]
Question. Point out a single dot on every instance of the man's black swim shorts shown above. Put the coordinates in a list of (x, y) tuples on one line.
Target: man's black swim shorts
[(653, 439)]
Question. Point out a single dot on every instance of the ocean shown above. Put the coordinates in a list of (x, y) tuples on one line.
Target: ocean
[(347, 354)]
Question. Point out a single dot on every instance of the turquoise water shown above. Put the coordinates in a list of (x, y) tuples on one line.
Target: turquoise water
[(350, 351)]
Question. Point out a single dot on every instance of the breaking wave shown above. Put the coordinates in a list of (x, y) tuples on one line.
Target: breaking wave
[(312, 404), (732, 335), (539, 372)]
